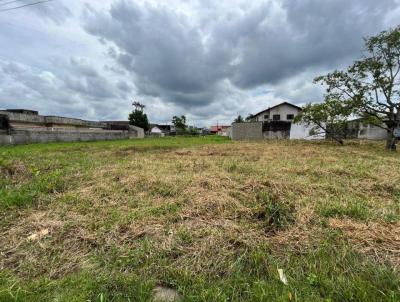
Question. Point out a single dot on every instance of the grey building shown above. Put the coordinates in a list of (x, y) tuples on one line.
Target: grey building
[(272, 123)]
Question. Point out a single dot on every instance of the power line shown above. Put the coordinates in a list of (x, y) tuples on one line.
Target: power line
[(21, 6), (9, 2)]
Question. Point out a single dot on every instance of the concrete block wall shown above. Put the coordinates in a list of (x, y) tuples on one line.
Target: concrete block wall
[(26, 128), (16, 137), (276, 134), (372, 132), (247, 131), (30, 120), (136, 132)]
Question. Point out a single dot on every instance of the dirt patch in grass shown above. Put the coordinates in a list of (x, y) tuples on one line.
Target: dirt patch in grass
[(149, 148), (16, 171), (183, 152), (165, 294)]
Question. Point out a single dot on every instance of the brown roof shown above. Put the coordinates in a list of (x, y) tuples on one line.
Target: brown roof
[(218, 128), (284, 103)]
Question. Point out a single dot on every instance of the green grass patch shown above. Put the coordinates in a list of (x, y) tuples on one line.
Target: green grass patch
[(275, 213), (84, 286), (353, 208)]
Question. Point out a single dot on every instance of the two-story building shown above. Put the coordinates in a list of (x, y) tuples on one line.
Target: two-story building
[(282, 112), (272, 123)]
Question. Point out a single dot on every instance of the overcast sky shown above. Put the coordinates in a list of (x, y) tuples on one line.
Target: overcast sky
[(210, 60)]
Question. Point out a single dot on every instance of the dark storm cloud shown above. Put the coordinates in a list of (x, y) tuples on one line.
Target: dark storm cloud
[(77, 86), (209, 60), (172, 58), (162, 48), (79, 78), (306, 34)]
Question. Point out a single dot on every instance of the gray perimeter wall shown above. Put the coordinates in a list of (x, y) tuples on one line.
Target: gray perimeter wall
[(372, 132), (15, 137), (247, 131), (42, 120)]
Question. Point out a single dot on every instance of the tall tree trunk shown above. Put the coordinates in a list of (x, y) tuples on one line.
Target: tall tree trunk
[(391, 140)]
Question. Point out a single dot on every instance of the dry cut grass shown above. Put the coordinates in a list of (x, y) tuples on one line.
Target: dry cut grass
[(212, 221)]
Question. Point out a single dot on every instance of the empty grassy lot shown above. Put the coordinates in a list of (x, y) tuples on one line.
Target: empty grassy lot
[(210, 218)]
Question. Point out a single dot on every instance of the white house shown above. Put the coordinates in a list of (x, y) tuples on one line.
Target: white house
[(156, 131), (281, 112)]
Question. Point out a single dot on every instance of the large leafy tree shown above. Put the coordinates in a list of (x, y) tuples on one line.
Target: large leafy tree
[(138, 118), (329, 118), (372, 84), (179, 123)]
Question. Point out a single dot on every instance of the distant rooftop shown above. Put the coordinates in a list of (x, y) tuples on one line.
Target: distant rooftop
[(24, 111), (284, 103), (219, 128)]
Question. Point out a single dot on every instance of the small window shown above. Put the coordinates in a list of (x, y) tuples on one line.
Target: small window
[(266, 116), (4, 122), (290, 117), (276, 117)]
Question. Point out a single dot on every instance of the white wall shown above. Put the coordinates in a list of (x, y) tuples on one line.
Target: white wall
[(283, 110), (302, 131)]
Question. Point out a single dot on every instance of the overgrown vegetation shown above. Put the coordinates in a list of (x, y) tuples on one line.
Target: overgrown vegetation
[(212, 219), (369, 89)]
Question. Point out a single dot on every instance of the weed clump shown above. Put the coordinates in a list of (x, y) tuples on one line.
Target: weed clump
[(276, 213), (355, 209)]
